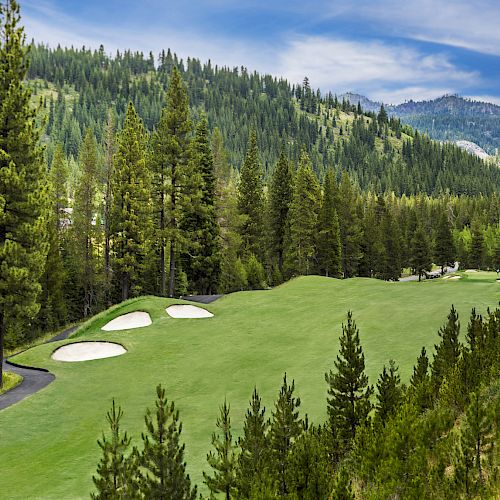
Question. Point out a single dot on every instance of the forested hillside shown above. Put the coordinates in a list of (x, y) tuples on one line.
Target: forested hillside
[(79, 86), (447, 118)]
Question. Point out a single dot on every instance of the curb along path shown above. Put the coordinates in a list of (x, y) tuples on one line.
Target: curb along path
[(34, 379)]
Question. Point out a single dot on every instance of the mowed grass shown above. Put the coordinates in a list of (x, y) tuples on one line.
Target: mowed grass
[(48, 441)]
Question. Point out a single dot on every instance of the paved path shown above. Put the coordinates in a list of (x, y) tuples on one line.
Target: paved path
[(434, 274), (34, 379), (202, 299)]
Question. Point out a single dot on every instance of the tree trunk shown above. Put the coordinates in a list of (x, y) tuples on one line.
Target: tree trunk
[(173, 226), (162, 249), (171, 287)]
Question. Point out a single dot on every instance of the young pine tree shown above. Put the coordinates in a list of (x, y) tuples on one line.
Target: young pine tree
[(329, 247), (286, 427), (253, 460), (117, 473), (420, 385), (447, 351), (303, 217), (23, 186), (162, 458), (342, 489), (251, 200), (170, 164), (131, 205), (389, 392), (348, 390), (223, 461)]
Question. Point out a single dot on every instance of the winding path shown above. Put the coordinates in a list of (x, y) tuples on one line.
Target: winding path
[(34, 379), (434, 274), (202, 299)]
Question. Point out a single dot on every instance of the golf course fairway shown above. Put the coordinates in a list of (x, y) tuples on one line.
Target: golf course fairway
[(48, 441)]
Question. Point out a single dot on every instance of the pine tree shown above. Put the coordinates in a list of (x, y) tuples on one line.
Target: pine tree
[(389, 392), (170, 163), (342, 489), (251, 200), (329, 247), (23, 194), (202, 261), (116, 473), (303, 218), (477, 245), (84, 231), (223, 461), (348, 389), (280, 198), (58, 177), (253, 460), (448, 350), (286, 427), (130, 216), (162, 458), (420, 381), (444, 249), (421, 260), (350, 227)]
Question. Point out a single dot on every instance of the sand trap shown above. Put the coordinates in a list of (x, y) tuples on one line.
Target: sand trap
[(471, 270), (85, 351), (187, 311), (455, 277), (137, 319)]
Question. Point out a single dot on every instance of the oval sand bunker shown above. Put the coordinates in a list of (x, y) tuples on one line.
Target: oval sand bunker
[(187, 311), (136, 319), (85, 351)]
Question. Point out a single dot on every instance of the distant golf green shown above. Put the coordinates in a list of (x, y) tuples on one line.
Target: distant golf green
[(48, 441)]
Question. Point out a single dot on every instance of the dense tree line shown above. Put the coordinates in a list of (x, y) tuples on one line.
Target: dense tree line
[(433, 438)]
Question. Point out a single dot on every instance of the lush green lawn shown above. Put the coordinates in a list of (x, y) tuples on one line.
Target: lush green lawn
[(10, 380), (48, 442)]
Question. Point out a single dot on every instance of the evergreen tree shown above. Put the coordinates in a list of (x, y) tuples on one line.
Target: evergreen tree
[(350, 227), (280, 198), (202, 261), (444, 249), (421, 260), (389, 392), (420, 381), (253, 460), (448, 350), (84, 230), (303, 218), (477, 245), (251, 200), (116, 473), (348, 390), (286, 427), (342, 489), (329, 247), (223, 461), (162, 458), (23, 194), (170, 162), (58, 177), (130, 224)]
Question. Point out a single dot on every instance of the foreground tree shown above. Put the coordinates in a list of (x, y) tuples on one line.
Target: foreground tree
[(223, 461), (116, 472), (348, 390), (389, 393), (23, 184), (162, 458)]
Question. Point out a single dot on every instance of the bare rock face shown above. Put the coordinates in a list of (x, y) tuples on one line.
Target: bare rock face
[(473, 149)]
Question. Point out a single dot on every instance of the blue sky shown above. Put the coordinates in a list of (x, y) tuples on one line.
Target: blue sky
[(390, 50)]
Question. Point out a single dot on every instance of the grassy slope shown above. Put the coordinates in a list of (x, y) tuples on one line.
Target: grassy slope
[(48, 441)]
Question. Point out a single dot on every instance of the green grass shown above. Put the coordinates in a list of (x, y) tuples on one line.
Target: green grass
[(10, 380), (48, 441)]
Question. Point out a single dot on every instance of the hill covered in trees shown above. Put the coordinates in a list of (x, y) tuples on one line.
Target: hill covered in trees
[(77, 88), (447, 118)]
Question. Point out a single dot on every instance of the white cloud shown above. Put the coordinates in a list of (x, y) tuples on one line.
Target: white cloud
[(468, 24), (376, 68), (485, 98)]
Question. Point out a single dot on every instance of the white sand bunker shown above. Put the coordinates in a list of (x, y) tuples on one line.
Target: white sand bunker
[(471, 270), (136, 319), (187, 311), (85, 351), (455, 277)]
